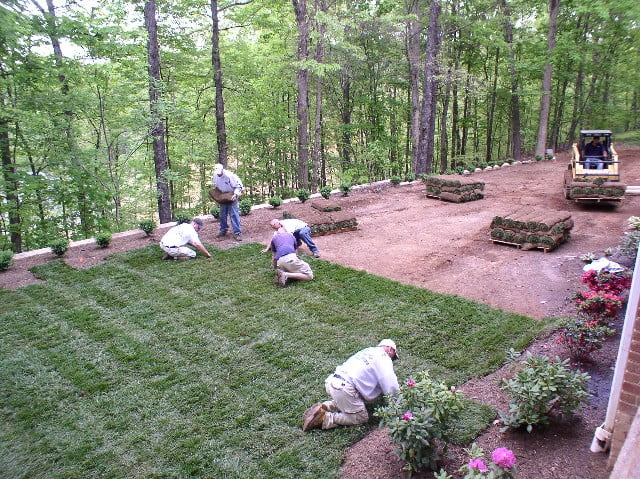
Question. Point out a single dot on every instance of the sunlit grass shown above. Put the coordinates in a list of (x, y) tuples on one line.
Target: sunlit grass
[(141, 368)]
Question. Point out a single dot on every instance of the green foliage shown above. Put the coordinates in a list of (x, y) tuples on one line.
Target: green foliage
[(182, 217), (581, 337), (244, 206), (148, 226), (303, 194), (325, 191), (132, 347), (275, 201), (103, 239), (395, 180), (418, 418), (6, 259), (345, 188), (543, 387), (409, 176), (538, 157), (59, 246), (215, 211)]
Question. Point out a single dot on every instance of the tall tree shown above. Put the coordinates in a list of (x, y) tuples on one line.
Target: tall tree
[(516, 144), (413, 52), (221, 129), (545, 100), (302, 109), (160, 159)]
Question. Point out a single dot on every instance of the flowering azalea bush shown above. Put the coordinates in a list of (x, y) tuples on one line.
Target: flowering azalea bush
[(418, 418), (501, 467), (602, 307), (582, 337), (607, 281), (543, 387)]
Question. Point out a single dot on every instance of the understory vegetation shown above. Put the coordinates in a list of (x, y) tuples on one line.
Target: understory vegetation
[(140, 367)]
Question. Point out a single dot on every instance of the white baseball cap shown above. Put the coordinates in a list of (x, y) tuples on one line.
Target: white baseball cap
[(391, 343), (218, 168)]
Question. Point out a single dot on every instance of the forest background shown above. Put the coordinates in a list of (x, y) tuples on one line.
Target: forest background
[(113, 112)]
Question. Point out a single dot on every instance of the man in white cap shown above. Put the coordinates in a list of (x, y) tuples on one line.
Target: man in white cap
[(228, 182), (361, 378), (174, 242)]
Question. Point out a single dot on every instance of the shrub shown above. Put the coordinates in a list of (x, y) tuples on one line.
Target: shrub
[(103, 239), (303, 194), (543, 387), (148, 226), (244, 205), (275, 201), (582, 337), (215, 211), (325, 191), (182, 217), (634, 222), (538, 157), (409, 176), (607, 281), (502, 465), (602, 307), (418, 418), (629, 244), (345, 187), (59, 246), (588, 257), (6, 258)]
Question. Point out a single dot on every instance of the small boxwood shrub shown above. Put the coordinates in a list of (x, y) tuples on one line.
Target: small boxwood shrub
[(103, 239), (182, 217), (215, 211), (325, 191), (395, 180), (148, 226), (244, 205), (6, 258), (303, 194), (275, 201), (59, 246), (409, 176), (345, 187)]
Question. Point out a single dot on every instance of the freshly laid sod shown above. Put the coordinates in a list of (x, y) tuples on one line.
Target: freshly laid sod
[(140, 368)]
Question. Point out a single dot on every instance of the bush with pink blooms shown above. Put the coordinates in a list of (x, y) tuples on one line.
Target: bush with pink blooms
[(502, 465), (581, 337), (614, 282), (603, 307)]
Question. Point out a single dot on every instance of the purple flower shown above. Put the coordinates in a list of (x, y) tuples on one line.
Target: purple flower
[(411, 383), (407, 416), (478, 464), (504, 458)]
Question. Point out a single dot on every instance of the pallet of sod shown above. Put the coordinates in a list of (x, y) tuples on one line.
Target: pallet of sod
[(327, 222), (453, 188), (530, 228)]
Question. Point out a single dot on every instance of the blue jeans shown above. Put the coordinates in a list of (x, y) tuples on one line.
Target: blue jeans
[(231, 210), (304, 235)]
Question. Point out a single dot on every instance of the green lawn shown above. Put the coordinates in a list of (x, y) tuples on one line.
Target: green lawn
[(140, 368)]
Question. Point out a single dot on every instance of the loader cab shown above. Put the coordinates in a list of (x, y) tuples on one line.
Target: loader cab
[(589, 137), (584, 164)]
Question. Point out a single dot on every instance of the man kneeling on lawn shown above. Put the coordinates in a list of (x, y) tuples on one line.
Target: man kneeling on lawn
[(285, 260), (174, 242), (363, 377)]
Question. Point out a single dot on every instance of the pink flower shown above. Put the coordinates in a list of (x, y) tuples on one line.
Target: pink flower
[(411, 383), (504, 458), (478, 464), (407, 416)]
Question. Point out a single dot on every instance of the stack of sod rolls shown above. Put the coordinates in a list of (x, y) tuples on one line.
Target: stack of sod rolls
[(583, 188), (454, 188), (531, 228)]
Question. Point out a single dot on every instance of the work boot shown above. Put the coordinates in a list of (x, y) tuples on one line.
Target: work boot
[(237, 237), (167, 256), (316, 254), (315, 418), (222, 234), (281, 276)]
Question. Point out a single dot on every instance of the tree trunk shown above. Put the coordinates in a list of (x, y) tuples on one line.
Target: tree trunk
[(11, 186), (444, 140), (317, 136), (157, 125), (221, 129), (492, 109), (429, 103), (545, 100), (345, 114), (302, 110), (516, 139), (413, 52)]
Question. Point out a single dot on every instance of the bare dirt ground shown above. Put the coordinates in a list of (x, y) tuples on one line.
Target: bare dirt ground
[(445, 247)]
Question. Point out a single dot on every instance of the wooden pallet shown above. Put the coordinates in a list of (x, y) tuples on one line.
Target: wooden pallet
[(334, 231), (546, 249)]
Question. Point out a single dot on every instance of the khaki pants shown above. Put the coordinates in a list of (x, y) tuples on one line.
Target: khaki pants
[(346, 407)]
